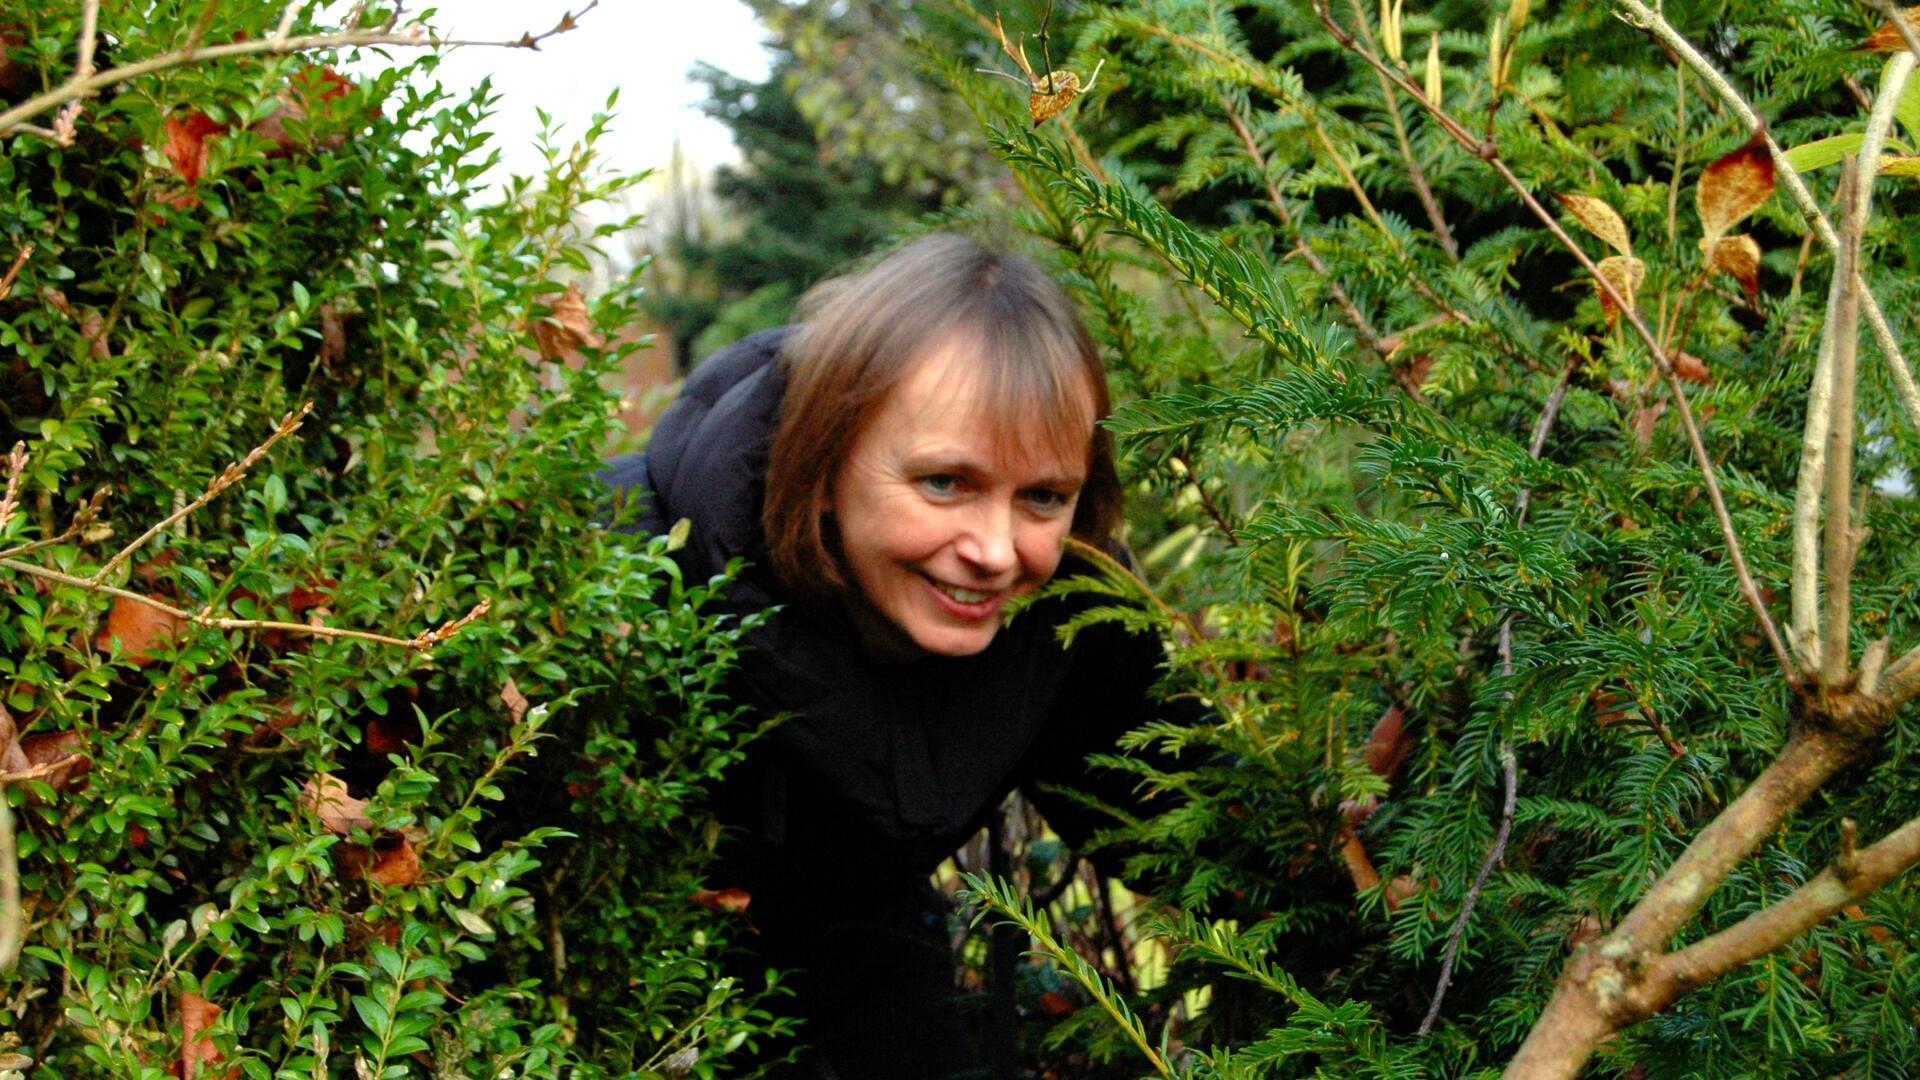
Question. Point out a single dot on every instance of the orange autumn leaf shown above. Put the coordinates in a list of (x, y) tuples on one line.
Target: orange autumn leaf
[(1739, 256), (142, 630), (731, 898), (187, 143), (566, 327), (197, 1051), (1886, 37), (1733, 187)]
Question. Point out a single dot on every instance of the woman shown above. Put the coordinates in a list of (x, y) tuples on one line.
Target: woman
[(895, 470)]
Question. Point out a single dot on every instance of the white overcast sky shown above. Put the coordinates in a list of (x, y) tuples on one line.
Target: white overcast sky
[(643, 47)]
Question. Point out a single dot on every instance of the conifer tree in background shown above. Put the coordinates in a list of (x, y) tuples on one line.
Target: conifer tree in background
[(792, 213)]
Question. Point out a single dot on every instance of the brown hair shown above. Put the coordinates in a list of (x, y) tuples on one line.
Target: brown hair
[(860, 337)]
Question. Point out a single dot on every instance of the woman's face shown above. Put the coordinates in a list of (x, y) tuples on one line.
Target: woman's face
[(939, 524)]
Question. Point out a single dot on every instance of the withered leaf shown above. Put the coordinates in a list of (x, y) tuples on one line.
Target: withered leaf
[(1600, 219), (1886, 37), (1738, 255), (62, 754), (732, 898), (142, 630), (1733, 187), (187, 144), (1624, 273), (394, 864), (1643, 421), (515, 701), (1052, 92), (12, 758), (566, 327), (197, 1051), (1691, 368), (326, 796)]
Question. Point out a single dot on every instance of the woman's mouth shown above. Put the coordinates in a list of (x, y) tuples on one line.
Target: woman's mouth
[(967, 603)]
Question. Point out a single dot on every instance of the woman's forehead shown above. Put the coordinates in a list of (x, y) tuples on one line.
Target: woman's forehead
[(949, 400)]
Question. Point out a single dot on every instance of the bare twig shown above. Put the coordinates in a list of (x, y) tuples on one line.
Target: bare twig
[(1369, 337), (421, 642), (1487, 151), (16, 465), (1837, 543), (82, 518), (1509, 766), (12, 921), (85, 85), (226, 479), (1641, 15), (13, 272)]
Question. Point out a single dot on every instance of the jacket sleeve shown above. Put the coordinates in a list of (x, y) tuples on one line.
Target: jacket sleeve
[(1108, 692)]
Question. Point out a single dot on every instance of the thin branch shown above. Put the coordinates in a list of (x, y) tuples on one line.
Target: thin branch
[(82, 518), (421, 642), (12, 919), (1369, 337), (1509, 766), (1415, 173), (1640, 15), (1842, 382), (86, 85), (13, 272), (226, 479), (1487, 151), (16, 465)]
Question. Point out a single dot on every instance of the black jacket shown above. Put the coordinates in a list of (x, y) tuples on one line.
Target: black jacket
[(882, 769)]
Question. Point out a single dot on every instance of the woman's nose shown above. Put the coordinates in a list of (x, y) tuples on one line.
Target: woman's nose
[(987, 542)]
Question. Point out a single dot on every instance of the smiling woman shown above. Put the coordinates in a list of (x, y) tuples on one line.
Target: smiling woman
[(896, 469)]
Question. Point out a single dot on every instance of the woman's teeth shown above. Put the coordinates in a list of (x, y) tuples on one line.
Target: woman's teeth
[(965, 596)]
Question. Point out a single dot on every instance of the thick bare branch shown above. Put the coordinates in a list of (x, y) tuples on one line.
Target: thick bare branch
[(1805, 626), (1841, 541), (1853, 876)]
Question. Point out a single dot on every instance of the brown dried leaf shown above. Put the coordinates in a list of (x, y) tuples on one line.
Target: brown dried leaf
[(333, 338), (1733, 187), (732, 898), (340, 813), (1051, 93), (187, 144), (197, 1014), (1643, 421), (61, 753), (1886, 37), (395, 863), (515, 701), (566, 327), (1600, 219), (1738, 255), (12, 758), (143, 630), (1691, 368), (1624, 273)]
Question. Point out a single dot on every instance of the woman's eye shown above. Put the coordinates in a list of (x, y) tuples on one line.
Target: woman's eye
[(1047, 499)]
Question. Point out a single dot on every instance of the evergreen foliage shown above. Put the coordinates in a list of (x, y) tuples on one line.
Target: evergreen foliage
[(250, 847)]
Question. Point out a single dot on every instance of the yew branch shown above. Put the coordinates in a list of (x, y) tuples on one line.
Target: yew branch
[(1488, 151)]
